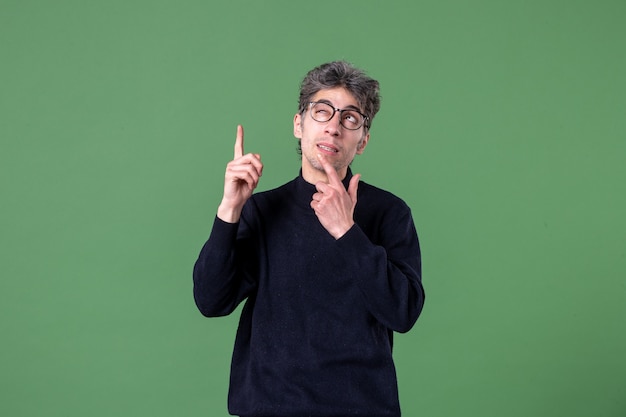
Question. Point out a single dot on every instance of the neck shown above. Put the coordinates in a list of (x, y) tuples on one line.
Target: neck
[(313, 175)]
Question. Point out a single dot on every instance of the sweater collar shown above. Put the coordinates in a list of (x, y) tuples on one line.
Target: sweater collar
[(305, 190)]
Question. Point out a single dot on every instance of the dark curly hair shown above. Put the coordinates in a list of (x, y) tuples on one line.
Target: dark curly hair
[(342, 74)]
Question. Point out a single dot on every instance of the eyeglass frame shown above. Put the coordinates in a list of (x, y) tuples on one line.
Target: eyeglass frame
[(335, 110)]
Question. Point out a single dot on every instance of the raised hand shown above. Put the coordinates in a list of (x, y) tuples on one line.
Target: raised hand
[(241, 178), (333, 205)]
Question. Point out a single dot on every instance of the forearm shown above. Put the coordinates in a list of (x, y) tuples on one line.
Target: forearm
[(389, 279), (219, 285)]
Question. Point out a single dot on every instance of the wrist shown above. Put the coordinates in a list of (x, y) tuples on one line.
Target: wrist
[(229, 213), (339, 233)]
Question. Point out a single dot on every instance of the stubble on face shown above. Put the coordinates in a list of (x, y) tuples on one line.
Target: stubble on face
[(337, 164)]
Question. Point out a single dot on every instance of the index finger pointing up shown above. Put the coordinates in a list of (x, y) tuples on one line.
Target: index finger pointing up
[(239, 142)]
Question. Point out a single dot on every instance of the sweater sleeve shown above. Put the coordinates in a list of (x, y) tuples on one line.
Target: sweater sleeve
[(388, 273), (221, 275)]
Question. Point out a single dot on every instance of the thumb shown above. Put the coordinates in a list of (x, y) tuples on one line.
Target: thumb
[(353, 186)]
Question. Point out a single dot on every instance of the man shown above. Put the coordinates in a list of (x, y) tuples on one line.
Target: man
[(329, 266)]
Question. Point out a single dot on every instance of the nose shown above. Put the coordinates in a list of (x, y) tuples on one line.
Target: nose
[(333, 126)]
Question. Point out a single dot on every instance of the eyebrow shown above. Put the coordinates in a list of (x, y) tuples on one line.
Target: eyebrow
[(348, 107)]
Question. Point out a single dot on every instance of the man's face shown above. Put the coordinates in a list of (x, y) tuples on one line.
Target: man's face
[(338, 144)]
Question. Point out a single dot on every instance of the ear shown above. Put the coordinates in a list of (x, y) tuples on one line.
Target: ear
[(297, 126), (361, 146)]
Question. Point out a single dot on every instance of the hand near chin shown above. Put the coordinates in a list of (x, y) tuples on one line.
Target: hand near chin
[(241, 178), (333, 205)]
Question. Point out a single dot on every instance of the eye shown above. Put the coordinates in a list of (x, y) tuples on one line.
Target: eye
[(320, 110), (351, 117)]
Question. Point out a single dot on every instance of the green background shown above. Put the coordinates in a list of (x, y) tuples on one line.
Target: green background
[(503, 126)]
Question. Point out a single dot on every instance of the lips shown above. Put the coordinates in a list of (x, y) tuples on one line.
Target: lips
[(327, 148)]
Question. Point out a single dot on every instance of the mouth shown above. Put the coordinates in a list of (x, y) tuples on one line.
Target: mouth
[(327, 148)]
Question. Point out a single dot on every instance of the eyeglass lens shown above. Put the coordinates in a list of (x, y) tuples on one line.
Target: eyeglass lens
[(350, 119)]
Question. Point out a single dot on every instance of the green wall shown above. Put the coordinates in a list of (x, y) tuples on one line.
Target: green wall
[(503, 126)]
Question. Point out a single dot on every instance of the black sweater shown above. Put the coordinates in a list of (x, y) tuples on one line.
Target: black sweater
[(315, 334)]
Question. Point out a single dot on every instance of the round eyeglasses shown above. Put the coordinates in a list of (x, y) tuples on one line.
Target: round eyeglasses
[(351, 119)]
